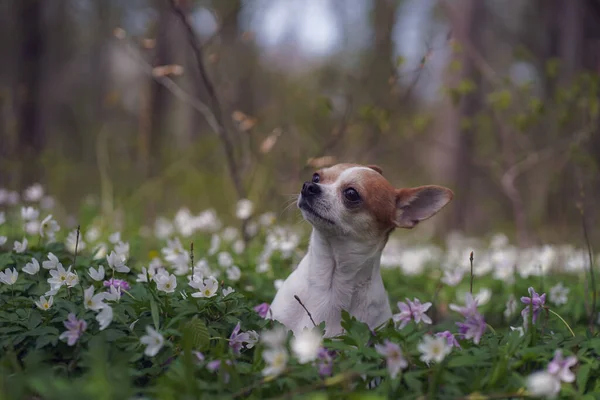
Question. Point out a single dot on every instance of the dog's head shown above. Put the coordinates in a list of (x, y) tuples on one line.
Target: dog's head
[(357, 200)]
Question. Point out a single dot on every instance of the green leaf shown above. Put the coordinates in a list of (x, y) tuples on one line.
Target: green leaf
[(582, 377), (155, 315), (5, 259), (43, 330), (198, 333)]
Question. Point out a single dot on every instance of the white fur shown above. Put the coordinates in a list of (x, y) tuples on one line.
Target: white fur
[(339, 272)]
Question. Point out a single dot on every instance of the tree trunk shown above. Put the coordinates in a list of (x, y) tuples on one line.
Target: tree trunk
[(31, 49), (452, 155)]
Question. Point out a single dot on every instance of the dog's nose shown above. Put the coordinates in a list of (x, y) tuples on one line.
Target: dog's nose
[(310, 189)]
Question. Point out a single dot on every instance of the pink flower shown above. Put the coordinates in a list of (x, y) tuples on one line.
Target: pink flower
[(534, 301), (215, 365), (262, 309), (412, 310), (472, 328), (117, 283), (560, 366), (75, 329), (393, 355), (450, 339), (325, 362), (470, 308)]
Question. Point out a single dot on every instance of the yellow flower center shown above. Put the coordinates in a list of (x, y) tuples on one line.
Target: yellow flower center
[(207, 292), (168, 286), (62, 278), (46, 306)]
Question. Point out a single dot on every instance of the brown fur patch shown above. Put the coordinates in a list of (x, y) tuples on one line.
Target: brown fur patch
[(379, 198)]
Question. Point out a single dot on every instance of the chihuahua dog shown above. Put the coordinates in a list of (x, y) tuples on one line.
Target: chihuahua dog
[(353, 209)]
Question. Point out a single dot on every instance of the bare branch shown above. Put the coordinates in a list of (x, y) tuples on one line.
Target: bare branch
[(214, 100)]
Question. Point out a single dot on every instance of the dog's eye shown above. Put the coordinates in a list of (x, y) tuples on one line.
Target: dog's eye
[(316, 178), (351, 195)]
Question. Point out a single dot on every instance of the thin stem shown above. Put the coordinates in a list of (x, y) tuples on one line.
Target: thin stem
[(471, 259), (592, 274), (192, 256), (76, 245), (564, 322), (305, 309)]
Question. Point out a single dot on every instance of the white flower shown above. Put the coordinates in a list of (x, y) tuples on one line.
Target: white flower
[(20, 247), (143, 277), (53, 290), (163, 228), (276, 361), (274, 338), (229, 234), (114, 293), (558, 294), (32, 267), (9, 276), (518, 329), (306, 345), (202, 269), (244, 209), (32, 227), (433, 349), (96, 275), (3, 240), (252, 339), (51, 263), (511, 306), (453, 277), (92, 234), (263, 267), (224, 259), (115, 237), (122, 249), (267, 219), (215, 242), (91, 301), (251, 229), (71, 242), (49, 227), (207, 288), (543, 384), (29, 213), (483, 296), (105, 317), (234, 273), (117, 262), (44, 304), (239, 246), (165, 283), (153, 340), (394, 357), (34, 193), (227, 291), (59, 276), (72, 278)]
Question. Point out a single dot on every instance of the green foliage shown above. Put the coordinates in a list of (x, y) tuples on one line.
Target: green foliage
[(111, 364)]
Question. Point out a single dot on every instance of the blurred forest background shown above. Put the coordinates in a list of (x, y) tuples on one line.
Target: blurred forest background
[(154, 104)]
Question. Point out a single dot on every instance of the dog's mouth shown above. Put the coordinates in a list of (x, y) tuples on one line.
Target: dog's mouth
[(303, 205)]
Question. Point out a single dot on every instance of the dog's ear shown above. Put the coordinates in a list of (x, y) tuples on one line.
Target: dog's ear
[(414, 205), (376, 168)]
